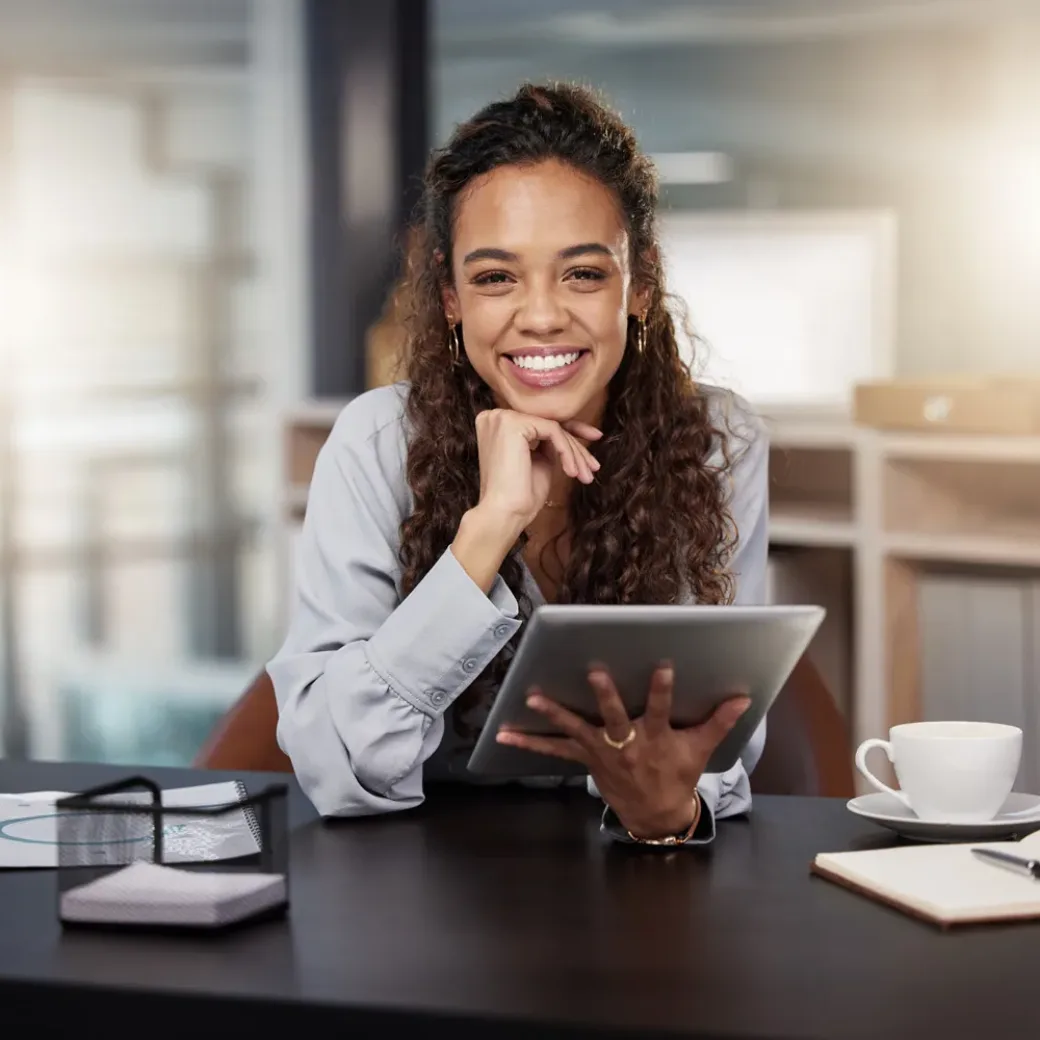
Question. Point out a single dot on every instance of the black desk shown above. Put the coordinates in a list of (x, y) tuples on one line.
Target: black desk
[(504, 914)]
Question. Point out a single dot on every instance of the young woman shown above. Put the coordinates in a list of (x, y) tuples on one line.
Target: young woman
[(549, 445)]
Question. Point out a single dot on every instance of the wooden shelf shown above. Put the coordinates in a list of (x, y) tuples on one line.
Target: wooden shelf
[(812, 524), (961, 447), (966, 549), (809, 433), (974, 510), (811, 484)]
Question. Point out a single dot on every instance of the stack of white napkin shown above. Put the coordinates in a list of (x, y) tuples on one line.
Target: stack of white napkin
[(148, 894)]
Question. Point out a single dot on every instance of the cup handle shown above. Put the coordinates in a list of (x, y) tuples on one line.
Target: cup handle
[(861, 764)]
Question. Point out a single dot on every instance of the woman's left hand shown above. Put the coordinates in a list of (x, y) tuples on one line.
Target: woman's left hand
[(651, 781)]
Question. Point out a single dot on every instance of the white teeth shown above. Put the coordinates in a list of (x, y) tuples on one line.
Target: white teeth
[(544, 362)]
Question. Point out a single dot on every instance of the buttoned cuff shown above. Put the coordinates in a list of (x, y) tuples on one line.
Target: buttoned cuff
[(442, 636)]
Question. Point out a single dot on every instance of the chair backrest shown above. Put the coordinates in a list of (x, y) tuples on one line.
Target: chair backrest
[(807, 748), (244, 739)]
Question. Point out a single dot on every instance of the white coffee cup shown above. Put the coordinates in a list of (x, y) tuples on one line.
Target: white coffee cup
[(953, 772)]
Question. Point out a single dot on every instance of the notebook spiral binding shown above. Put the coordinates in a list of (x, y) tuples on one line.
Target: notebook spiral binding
[(250, 815)]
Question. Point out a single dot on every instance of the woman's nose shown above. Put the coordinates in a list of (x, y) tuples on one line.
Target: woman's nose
[(541, 312)]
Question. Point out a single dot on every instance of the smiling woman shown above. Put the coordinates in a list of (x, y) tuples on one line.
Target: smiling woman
[(548, 446), (550, 311)]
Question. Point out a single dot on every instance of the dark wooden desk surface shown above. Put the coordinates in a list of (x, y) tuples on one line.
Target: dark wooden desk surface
[(505, 913)]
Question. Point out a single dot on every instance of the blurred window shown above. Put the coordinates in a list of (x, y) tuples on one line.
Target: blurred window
[(138, 464)]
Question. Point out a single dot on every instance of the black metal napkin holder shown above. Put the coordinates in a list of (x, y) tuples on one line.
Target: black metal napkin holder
[(97, 835)]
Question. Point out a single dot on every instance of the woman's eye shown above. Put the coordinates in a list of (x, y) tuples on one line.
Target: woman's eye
[(491, 278), (587, 274)]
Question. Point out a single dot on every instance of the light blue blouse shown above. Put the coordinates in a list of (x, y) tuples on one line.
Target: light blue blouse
[(364, 678)]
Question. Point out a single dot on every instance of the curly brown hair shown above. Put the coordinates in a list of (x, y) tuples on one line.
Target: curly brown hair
[(654, 527)]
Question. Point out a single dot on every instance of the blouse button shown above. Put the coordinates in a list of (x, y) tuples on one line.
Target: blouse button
[(469, 664), (501, 631), (437, 696)]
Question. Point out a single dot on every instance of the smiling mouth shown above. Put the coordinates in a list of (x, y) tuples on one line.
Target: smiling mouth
[(546, 362)]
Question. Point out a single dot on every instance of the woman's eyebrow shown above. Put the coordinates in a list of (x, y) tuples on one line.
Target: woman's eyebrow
[(504, 256), (487, 253), (585, 249)]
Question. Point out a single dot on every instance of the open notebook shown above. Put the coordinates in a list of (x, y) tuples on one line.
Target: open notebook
[(944, 884)]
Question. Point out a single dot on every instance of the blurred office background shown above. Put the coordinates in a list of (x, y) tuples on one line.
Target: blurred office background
[(199, 206)]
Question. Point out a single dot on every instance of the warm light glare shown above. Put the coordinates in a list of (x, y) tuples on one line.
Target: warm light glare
[(1018, 203), (22, 302)]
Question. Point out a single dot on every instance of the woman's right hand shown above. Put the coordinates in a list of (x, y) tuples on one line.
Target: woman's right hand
[(518, 453)]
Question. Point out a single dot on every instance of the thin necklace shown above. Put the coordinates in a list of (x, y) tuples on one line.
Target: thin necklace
[(550, 504)]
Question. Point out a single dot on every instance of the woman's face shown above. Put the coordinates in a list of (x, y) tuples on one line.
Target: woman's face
[(542, 288)]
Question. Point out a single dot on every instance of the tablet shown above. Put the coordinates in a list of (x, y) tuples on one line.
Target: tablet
[(715, 650)]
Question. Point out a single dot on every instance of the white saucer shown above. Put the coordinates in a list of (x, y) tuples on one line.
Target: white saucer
[(1018, 816)]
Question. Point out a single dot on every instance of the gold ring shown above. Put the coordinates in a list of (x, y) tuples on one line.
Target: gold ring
[(617, 745)]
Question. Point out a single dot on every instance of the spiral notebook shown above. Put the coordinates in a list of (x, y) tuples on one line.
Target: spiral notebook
[(943, 884), (29, 827)]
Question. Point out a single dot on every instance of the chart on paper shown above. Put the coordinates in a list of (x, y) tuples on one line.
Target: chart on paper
[(34, 834)]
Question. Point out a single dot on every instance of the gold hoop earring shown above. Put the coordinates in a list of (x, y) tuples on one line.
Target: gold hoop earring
[(453, 343), (641, 335)]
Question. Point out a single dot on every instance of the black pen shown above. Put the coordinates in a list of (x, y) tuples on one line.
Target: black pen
[(1019, 864)]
